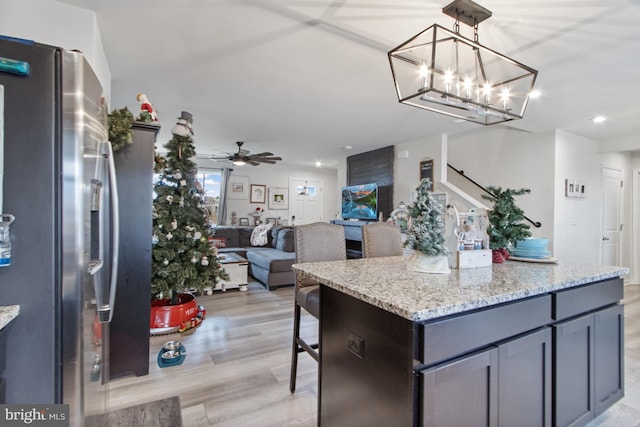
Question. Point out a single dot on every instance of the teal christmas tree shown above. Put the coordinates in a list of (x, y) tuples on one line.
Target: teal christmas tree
[(426, 233), (182, 256), (506, 224)]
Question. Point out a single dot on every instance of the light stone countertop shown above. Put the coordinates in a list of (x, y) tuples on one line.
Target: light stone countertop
[(7, 314), (386, 283)]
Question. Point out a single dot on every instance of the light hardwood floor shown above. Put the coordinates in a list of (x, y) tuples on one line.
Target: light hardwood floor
[(236, 372)]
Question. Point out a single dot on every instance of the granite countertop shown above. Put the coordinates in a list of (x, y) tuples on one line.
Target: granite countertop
[(386, 283), (7, 314)]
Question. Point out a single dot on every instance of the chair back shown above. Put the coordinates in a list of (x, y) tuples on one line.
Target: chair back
[(381, 239), (320, 241)]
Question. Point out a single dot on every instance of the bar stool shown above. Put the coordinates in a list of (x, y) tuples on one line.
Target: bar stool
[(319, 241)]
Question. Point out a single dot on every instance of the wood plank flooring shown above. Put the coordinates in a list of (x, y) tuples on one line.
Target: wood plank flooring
[(236, 372)]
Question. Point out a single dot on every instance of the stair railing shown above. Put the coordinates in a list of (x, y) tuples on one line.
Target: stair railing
[(536, 224)]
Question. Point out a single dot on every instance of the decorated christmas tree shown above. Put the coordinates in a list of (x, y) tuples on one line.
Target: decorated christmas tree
[(183, 257), (426, 233), (505, 218)]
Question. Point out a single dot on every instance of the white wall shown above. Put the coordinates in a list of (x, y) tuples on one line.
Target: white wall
[(58, 24), (578, 233), (508, 158), (278, 176), (407, 169)]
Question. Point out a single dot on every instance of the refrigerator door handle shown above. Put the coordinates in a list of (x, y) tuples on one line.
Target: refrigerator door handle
[(97, 257), (105, 308), (115, 227)]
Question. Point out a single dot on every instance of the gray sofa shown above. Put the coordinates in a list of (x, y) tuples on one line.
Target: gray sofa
[(269, 264)]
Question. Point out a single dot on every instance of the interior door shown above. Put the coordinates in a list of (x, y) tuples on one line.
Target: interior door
[(305, 197), (611, 215)]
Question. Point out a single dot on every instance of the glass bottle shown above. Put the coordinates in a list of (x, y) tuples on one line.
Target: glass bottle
[(5, 239)]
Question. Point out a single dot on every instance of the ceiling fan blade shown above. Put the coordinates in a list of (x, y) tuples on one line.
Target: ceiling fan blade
[(252, 163), (219, 157), (262, 154), (271, 162)]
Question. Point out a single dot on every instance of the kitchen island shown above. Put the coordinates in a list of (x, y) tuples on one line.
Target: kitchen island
[(512, 344)]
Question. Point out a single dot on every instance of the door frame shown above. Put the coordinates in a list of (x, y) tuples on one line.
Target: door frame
[(619, 169), (635, 223)]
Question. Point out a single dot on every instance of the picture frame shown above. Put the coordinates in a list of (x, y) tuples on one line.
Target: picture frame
[(243, 222), (278, 198), (426, 171), (271, 221), (238, 187), (258, 193)]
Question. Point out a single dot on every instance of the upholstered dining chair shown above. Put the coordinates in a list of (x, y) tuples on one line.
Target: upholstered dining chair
[(381, 239), (319, 241)]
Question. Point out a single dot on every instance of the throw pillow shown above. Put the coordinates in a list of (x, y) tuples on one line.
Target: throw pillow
[(274, 236), (259, 235), (218, 242), (286, 242)]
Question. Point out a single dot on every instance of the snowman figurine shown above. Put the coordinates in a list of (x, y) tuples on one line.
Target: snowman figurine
[(183, 126)]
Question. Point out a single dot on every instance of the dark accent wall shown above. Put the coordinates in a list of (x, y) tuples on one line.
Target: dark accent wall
[(374, 166)]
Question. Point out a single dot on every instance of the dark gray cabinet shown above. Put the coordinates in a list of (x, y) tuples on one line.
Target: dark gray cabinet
[(352, 236), (129, 329), (551, 360), (588, 357), (462, 393), (508, 384), (524, 385)]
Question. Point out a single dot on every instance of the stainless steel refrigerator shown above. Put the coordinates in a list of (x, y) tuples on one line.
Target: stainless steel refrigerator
[(58, 181)]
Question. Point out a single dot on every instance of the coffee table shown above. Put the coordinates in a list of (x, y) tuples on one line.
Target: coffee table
[(236, 267)]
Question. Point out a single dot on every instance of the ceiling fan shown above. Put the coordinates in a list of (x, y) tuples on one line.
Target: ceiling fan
[(243, 157)]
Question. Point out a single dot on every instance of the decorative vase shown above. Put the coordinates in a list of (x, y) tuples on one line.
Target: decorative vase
[(422, 263), (169, 318)]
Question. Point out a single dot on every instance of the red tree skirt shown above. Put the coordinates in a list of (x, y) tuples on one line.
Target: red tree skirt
[(184, 315)]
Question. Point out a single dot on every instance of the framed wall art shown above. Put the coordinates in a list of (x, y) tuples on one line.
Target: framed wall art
[(238, 187), (278, 198), (426, 171), (258, 193)]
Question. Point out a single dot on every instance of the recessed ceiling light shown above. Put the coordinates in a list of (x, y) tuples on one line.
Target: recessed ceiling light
[(534, 94), (599, 119), (347, 147), (318, 164)]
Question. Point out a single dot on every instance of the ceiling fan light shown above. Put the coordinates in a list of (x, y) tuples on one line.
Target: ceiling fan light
[(239, 162)]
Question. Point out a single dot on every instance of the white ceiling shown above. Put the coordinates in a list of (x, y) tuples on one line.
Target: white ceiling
[(305, 78)]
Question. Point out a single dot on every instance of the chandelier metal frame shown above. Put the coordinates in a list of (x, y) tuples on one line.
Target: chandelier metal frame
[(442, 71)]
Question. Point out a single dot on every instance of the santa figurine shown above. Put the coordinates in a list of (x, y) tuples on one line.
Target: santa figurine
[(146, 109), (183, 126)]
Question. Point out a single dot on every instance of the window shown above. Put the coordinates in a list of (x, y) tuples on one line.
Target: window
[(209, 180)]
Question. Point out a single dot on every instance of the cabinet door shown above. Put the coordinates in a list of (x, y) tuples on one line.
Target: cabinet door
[(524, 376), (609, 357), (574, 371), (462, 393)]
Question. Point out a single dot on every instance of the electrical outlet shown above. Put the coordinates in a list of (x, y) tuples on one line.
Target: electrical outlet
[(355, 344)]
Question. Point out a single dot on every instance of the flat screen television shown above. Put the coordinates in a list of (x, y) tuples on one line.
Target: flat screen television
[(360, 201)]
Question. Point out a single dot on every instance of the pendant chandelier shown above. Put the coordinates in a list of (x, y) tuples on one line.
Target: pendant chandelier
[(440, 70)]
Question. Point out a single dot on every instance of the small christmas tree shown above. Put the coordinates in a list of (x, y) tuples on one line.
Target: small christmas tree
[(426, 233), (183, 257), (505, 218)]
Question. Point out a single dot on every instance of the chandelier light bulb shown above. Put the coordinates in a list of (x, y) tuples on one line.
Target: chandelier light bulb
[(486, 91), (505, 97), (468, 86), (424, 74)]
